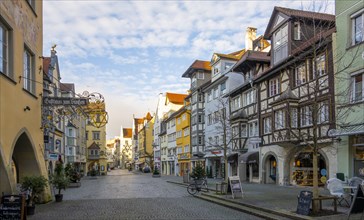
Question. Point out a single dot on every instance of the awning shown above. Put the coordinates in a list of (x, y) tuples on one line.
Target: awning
[(233, 157), (347, 130), (249, 157)]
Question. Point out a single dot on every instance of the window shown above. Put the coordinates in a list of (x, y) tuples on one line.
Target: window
[(320, 67), (179, 134), (216, 70), (223, 88), (199, 140), (4, 49), (179, 121), (29, 78), (216, 117), (306, 116), (96, 135), (300, 75), (200, 119), (294, 118), (187, 148), (209, 120), (200, 75), (357, 88), (280, 44), (200, 98), (267, 125), (323, 113), (217, 140), (358, 27), (279, 119), (235, 131), (249, 97), (209, 96), (244, 130), (86, 135), (274, 87), (297, 31), (228, 65), (253, 129), (179, 150), (216, 92), (236, 103), (186, 131), (184, 117)]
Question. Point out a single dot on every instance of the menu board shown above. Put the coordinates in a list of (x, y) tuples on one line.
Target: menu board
[(235, 186), (357, 205), (304, 203), (12, 207)]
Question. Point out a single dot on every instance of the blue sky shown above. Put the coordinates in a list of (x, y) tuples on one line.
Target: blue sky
[(130, 51)]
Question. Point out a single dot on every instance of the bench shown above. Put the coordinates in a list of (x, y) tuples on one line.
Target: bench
[(220, 188), (320, 198)]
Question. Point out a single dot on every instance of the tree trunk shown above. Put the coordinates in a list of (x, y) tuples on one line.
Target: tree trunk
[(315, 203)]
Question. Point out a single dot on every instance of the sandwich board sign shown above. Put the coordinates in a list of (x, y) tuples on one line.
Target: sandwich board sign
[(235, 186), (357, 204)]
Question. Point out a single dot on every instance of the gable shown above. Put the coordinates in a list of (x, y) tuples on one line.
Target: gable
[(278, 20)]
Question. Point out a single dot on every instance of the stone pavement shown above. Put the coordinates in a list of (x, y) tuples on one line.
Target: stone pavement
[(127, 195), (272, 197)]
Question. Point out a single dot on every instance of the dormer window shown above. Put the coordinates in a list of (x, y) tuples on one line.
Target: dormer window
[(280, 44), (297, 31), (228, 65), (216, 70)]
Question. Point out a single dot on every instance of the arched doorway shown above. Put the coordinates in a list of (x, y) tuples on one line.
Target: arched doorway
[(24, 159), (271, 169), (302, 169)]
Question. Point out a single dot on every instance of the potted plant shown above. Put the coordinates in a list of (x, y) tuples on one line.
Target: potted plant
[(33, 186), (59, 180)]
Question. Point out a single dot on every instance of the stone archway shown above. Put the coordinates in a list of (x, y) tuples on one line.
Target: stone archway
[(270, 165), (24, 158)]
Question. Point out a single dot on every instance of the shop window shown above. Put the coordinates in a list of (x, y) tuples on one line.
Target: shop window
[(358, 145)]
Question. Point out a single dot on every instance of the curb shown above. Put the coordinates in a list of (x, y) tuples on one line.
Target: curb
[(186, 184)]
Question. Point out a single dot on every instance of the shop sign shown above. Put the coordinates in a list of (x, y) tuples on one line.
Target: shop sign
[(54, 101), (53, 156), (235, 186), (216, 152)]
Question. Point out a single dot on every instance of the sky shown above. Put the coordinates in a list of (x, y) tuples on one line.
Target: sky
[(130, 51)]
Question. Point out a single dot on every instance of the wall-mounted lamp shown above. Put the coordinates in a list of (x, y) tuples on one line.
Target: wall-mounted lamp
[(27, 108)]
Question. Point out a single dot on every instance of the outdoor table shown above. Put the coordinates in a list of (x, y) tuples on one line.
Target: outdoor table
[(350, 189)]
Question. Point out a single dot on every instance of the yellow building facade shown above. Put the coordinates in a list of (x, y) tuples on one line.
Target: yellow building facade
[(96, 140), (183, 140), (21, 135)]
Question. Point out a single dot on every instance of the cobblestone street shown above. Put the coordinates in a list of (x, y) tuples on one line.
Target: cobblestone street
[(124, 195)]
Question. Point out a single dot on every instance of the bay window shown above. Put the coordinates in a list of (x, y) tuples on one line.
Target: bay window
[(279, 119)]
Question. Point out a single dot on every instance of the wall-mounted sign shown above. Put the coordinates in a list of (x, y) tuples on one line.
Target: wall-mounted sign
[(53, 156), (65, 101)]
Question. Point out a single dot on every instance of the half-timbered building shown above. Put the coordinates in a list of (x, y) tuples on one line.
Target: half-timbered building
[(244, 119), (296, 96)]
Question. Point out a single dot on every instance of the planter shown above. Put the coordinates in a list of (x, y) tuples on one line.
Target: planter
[(30, 210), (59, 197)]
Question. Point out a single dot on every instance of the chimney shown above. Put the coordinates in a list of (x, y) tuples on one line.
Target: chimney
[(250, 36)]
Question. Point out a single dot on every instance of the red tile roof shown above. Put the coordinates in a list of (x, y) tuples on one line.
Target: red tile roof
[(305, 14), (176, 98), (197, 65)]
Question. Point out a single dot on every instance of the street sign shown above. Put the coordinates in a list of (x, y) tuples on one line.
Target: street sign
[(53, 101)]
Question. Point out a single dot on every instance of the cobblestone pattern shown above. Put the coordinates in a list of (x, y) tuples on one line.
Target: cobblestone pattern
[(124, 195)]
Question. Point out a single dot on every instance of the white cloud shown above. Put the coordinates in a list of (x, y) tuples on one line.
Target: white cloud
[(130, 51)]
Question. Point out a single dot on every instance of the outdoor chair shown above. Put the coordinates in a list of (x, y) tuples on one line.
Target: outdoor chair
[(335, 186), (355, 181)]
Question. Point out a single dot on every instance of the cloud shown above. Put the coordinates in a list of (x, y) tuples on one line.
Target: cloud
[(130, 51)]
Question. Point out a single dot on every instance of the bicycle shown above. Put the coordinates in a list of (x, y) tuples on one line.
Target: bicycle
[(197, 186)]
